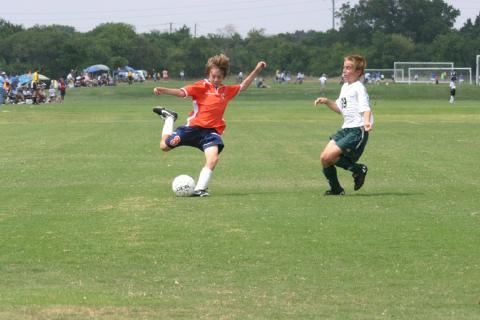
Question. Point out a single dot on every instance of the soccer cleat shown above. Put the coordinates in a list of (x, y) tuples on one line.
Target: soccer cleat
[(200, 193), (359, 178), (164, 113), (340, 192)]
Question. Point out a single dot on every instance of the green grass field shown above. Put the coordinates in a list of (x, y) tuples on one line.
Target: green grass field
[(90, 229)]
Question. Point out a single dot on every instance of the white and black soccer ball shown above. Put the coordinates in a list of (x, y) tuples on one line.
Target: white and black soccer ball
[(183, 185)]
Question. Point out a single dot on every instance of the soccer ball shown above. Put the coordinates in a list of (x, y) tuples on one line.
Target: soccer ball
[(183, 185)]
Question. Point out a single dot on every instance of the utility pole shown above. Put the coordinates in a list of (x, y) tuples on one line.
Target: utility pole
[(171, 23), (195, 31), (333, 14)]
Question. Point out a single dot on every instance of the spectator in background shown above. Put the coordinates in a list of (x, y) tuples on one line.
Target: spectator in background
[(35, 87), (182, 75), (19, 95), (154, 75), (367, 78), (52, 94), (240, 77), (165, 74), (300, 77), (2, 81), (260, 83), (36, 76), (323, 82), (62, 88), (130, 77), (70, 79)]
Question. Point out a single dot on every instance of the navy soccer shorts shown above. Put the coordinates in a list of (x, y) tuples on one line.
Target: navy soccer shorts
[(196, 137)]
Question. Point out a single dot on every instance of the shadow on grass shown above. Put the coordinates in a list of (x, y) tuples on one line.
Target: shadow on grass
[(376, 194), (381, 194), (256, 193)]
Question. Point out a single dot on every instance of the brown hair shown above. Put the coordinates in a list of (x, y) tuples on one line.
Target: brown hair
[(219, 61), (358, 61)]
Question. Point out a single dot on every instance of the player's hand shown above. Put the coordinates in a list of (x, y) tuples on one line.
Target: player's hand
[(321, 100), (261, 65), (157, 91), (368, 127)]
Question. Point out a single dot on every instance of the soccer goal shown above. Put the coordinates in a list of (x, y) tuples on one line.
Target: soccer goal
[(440, 75), (401, 68), (477, 74)]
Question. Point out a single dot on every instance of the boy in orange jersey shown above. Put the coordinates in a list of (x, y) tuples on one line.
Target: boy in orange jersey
[(205, 123)]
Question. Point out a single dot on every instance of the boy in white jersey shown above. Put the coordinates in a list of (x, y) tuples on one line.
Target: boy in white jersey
[(347, 145)]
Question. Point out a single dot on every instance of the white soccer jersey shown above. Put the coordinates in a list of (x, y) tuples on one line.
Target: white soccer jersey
[(353, 102)]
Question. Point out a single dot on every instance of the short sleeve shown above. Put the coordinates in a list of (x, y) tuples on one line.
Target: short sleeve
[(232, 91), (363, 99), (195, 89)]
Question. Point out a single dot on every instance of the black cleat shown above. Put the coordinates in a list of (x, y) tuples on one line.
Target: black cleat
[(164, 113), (340, 192), (200, 193), (359, 178)]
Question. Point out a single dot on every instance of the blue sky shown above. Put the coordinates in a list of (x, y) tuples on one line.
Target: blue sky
[(207, 16)]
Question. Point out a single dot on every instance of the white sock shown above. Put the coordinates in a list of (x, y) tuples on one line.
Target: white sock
[(203, 179), (168, 126)]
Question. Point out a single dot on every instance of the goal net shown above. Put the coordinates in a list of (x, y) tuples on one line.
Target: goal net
[(440, 75), (379, 75), (400, 69)]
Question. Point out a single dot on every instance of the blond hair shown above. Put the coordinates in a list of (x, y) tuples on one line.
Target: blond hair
[(219, 61), (359, 62)]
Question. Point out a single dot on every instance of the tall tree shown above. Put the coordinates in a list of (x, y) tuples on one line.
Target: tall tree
[(420, 20)]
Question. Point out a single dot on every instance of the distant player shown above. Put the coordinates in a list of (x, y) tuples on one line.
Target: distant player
[(323, 82), (205, 123), (347, 145), (453, 87)]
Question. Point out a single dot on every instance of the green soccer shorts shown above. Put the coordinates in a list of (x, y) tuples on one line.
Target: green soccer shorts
[(352, 141)]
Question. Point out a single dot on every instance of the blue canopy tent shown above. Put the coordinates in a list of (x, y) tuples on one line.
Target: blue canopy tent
[(26, 78), (97, 68)]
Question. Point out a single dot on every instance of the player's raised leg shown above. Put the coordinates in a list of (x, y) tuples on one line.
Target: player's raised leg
[(169, 118), (359, 170)]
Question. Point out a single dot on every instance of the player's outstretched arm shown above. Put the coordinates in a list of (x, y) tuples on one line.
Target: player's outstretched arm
[(173, 92), (248, 80), (331, 104)]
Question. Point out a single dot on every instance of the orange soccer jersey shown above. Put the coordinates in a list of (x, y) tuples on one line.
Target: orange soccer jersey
[(209, 104)]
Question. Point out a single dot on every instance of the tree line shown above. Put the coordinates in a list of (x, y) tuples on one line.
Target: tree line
[(383, 31)]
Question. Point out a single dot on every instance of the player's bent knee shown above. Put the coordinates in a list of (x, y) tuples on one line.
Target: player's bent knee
[(326, 159)]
